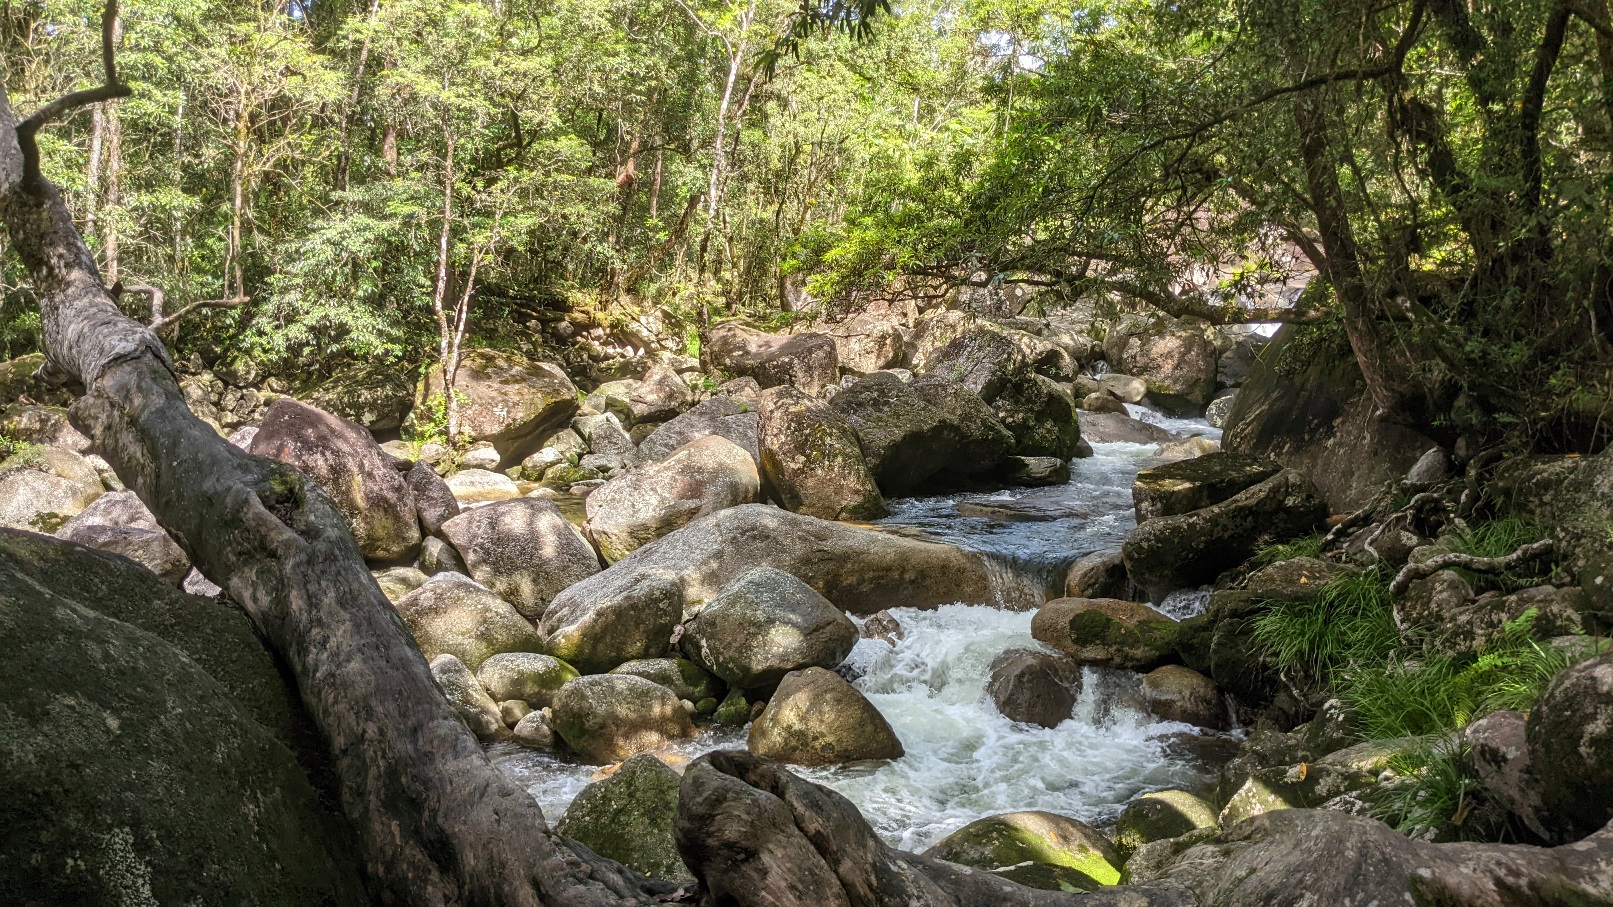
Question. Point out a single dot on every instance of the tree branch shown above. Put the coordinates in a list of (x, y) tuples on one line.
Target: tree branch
[(74, 100), (1413, 572)]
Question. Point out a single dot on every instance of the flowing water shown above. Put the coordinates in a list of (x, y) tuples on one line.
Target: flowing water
[(964, 760)]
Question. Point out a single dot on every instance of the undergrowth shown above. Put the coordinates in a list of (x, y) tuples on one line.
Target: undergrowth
[(1308, 546), (1349, 619), (1498, 538)]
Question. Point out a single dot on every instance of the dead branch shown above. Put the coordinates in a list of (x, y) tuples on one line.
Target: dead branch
[(161, 321), (1413, 572)]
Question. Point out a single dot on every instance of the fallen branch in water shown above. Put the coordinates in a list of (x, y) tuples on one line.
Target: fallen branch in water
[(1413, 572)]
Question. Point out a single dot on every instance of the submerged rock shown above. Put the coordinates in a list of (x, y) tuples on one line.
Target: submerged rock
[(1057, 849), (629, 817), (817, 718), (606, 718)]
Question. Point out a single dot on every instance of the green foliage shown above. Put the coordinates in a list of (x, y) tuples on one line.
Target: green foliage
[(1498, 538), (1349, 620), (1306, 546), (428, 422), (1435, 794)]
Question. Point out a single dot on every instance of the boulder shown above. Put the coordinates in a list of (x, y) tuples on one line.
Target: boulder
[(23, 379), (658, 396), (1570, 738), (628, 817), (375, 395), (764, 625), (481, 455), (601, 623), (817, 718), (984, 361), (44, 425), (353, 470), (1572, 495), (685, 678), (1101, 574), (524, 550), (636, 508), (1185, 449), (119, 523), (606, 437), (1036, 472), (860, 570), (1125, 388), (1304, 407), (512, 711), (1034, 687), (478, 710), (454, 615), (1175, 693), (437, 556), (152, 752), (1106, 631), (812, 459), (606, 718), (725, 416), (506, 398), (805, 361), (913, 432), (1075, 852), (42, 487), (1159, 816), (1174, 552), (1040, 415), (868, 342), (934, 330), (1219, 410), (1498, 745), (1176, 359), (1188, 485), (1103, 402), (396, 582), (434, 500), (1108, 428), (534, 731), (527, 676)]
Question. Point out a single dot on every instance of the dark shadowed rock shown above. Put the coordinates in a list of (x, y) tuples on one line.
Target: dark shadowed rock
[(1175, 693), (358, 476), (805, 361), (912, 432), (1570, 736), (1034, 687), (1101, 574), (434, 501), (1188, 485), (374, 395)]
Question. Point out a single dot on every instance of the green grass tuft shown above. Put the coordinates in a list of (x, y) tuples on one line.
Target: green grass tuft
[(1349, 620), (1309, 546)]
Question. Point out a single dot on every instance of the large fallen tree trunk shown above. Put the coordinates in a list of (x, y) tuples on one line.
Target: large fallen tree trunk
[(438, 823)]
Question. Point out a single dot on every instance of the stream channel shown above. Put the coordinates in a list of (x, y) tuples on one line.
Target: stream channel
[(964, 760)]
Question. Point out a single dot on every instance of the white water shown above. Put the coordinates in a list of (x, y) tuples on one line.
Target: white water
[(964, 760)]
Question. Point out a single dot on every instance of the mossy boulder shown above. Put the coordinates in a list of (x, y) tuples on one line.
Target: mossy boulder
[(1040, 415), (150, 750), (812, 459), (41, 488), (683, 677), (817, 718), (606, 718), (628, 817), (1076, 853), (524, 550), (596, 627), (1106, 631), (1187, 485), (1253, 798), (451, 614), (911, 433), (1159, 816), (506, 398), (377, 396), (764, 625), (528, 676)]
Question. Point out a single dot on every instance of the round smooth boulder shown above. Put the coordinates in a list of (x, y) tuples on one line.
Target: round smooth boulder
[(812, 459), (527, 676), (1570, 736), (1106, 631), (807, 361), (1175, 693), (481, 486), (680, 675), (120, 523), (1159, 816), (606, 718), (434, 501), (596, 629), (628, 817), (451, 614), (470, 701), (1034, 687), (764, 625), (704, 476), (1063, 849), (353, 470), (524, 550), (817, 718), (42, 487), (506, 398), (1103, 402)]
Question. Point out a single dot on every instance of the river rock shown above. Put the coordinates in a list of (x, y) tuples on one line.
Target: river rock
[(764, 625), (534, 731), (606, 718), (1185, 449), (1175, 358), (524, 550), (1036, 472), (912, 432), (639, 506), (812, 459), (659, 396), (1063, 849), (805, 361), (1103, 402), (628, 817), (437, 556), (47, 426), (1175, 552), (375, 395), (152, 753), (481, 455), (454, 615), (508, 399), (728, 417), (1034, 687), (1108, 428), (1125, 388), (1570, 737), (118, 522), (621, 616), (860, 570), (434, 500), (1159, 816), (42, 487), (984, 361), (527, 676), (1040, 415), (470, 701), (868, 342), (1219, 410), (1188, 485), (606, 437), (358, 476), (680, 675), (1106, 631), (1175, 693), (1499, 748), (396, 582), (1101, 574), (817, 718)]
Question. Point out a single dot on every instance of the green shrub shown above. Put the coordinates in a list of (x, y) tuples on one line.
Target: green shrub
[(1349, 620)]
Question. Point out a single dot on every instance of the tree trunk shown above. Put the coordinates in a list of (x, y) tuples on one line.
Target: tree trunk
[(447, 349), (92, 172), (111, 248)]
